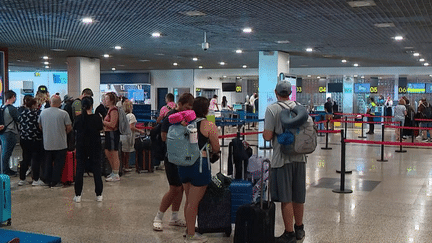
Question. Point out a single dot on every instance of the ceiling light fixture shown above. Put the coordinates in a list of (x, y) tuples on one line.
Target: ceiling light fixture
[(156, 34), (318, 77), (45, 57), (244, 66), (118, 47), (58, 50), (344, 61), (309, 76), (355, 65), (144, 60), (113, 69), (426, 64), (175, 64), (359, 4), (46, 66), (193, 13), (200, 67), (239, 51), (416, 54), (247, 30), (421, 60), (222, 63), (224, 76), (398, 38), (309, 49), (283, 42), (87, 20), (106, 55), (195, 59), (46, 63), (384, 25)]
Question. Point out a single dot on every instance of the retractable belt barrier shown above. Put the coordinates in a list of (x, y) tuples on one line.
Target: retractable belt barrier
[(425, 120), (360, 114)]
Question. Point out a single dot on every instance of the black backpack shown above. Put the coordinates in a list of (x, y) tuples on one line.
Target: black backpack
[(2, 122), (158, 146), (427, 112)]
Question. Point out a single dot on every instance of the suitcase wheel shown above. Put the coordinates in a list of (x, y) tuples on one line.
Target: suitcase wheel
[(228, 233), (9, 222)]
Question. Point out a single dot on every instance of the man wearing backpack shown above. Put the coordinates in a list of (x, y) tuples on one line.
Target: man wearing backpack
[(9, 131), (288, 182), (76, 105), (425, 109)]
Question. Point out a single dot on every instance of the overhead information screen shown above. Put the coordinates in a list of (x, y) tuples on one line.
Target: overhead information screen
[(416, 88), (429, 88), (335, 87), (362, 88)]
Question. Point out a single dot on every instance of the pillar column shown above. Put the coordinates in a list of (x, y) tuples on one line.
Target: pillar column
[(271, 64), (84, 72)]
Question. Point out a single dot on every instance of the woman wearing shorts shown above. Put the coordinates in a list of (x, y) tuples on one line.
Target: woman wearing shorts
[(194, 182), (112, 136)]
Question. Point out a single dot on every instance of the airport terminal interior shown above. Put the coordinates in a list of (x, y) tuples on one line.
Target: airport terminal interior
[(369, 178)]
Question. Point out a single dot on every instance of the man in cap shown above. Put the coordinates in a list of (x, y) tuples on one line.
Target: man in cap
[(67, 105), (76, 105), (288, 182)]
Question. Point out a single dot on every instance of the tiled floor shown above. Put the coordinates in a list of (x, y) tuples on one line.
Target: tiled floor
[(391, 201)]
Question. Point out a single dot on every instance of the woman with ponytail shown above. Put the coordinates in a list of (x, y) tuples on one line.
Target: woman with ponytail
[(88, 148)]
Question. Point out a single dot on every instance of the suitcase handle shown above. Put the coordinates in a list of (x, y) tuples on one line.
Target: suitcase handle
[(262, 184)]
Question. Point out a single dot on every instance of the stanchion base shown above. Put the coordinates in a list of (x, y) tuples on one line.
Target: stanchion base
[(265, 148), (382, 160), (342, 191), (326, 148), (224, 146), (346, 172), (322, 135), (400, 151), (362, 137)]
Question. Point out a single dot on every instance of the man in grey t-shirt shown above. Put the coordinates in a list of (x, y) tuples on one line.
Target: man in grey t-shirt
[(288, 182), (55, 124)]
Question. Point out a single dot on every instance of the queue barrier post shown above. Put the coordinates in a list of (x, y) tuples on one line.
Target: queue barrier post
[(223, 139), (382, 145), (321, 128), (362, 128), (327, 134), (400, 140), (346, 128), (342, 182)]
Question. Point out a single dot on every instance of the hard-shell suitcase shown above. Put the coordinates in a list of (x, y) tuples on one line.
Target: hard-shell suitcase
[(255, 223), (5, 198), (241, 194), (69, 169)]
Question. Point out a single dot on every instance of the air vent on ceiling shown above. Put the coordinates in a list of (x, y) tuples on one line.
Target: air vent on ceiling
[(384, 25), (359, 4)]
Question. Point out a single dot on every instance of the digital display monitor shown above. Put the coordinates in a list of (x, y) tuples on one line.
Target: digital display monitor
[(228, 87), (335, 87), (429, 88), (362, 88), (416, 88)]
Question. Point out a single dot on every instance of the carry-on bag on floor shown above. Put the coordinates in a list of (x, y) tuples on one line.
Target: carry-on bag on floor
[(255, 223), (5, 198), (214, 210), (69, 169), (143, 155)]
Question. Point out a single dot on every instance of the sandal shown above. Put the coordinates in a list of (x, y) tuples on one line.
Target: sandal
[(157, 225), (178, 222)]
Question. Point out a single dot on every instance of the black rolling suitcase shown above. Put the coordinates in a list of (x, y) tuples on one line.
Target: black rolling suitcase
[(214, 210), (255, 223)]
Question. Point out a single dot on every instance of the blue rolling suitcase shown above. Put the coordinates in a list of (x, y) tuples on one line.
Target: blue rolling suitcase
[(5, 198), (241, 194)]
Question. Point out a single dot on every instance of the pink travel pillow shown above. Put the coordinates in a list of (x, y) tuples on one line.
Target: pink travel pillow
[(178, 117)]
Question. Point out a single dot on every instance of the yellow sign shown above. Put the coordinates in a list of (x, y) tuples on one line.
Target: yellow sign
[(322, 89), (373, 89), (238, 88), (402, 90), (299, 89), (198, 90), (37, 74)]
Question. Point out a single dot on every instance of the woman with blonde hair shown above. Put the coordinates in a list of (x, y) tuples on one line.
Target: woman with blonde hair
[(112, 136), (399, 116)]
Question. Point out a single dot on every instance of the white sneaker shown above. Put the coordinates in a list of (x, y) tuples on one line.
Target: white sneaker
[(22, 183), (77, 199), (113, 178), (39, 183), (197, 238), (99, 198), (110, 175)]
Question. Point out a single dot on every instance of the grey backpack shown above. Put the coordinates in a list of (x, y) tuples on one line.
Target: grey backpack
[(124, 126)]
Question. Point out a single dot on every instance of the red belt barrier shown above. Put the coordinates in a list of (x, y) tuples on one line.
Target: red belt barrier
[(388, 143), (142, 127), (360, 114), (381, 122), (323, 121), (426, 120), (235, 134), (328, 131), (411, 128)]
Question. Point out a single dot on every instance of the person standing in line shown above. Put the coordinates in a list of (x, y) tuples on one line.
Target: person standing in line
[(422, 108), (31, 142), (43, 97), (175, 194), (76, 105), (101, 110), (195, 182), (371, 112), (213, 104), (388, 105), (225, 107), (10, 134), (55, 124), (112, 136), (288, 182), (328, 107), (399, 116), (169, 99), (88, 127)]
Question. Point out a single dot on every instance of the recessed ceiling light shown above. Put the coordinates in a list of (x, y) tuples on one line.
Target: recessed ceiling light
[(344, 61), (398, 38), (408, 47), (118, 47), (222, 63), (58, 50), (113, 69), (247, 30), (283, 42), (224, 76), (421, 60), (244, 66), (384, 25), (309, 76), (156, 34), (193, 13), (46, 66), (318, 77), (426, 64), (195, 59), (144, 60), (362, 77), (175, 64), (309, 49), (355, 65), (239, 51), (106, 55), (359, 4), (46, 63), (416, 54), (355, 76), (45, 57), (87, 20), (200, 67), (160, 54)]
